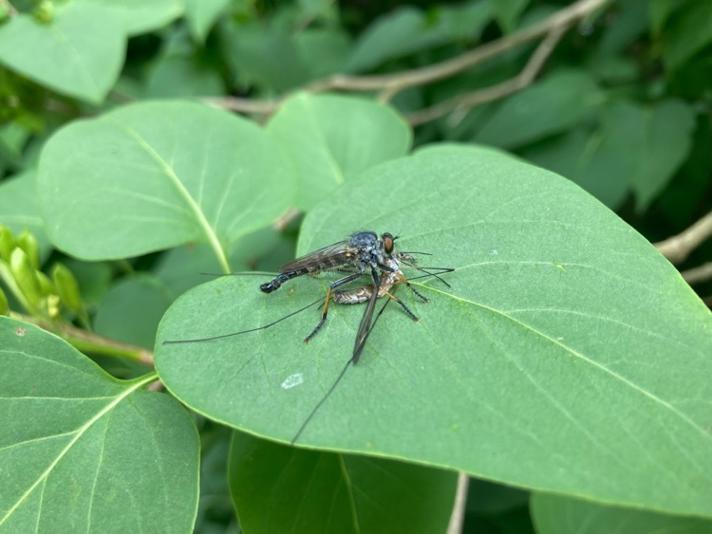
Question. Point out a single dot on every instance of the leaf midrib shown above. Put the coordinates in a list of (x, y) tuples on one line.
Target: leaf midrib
[(79, 433), (200, 217)]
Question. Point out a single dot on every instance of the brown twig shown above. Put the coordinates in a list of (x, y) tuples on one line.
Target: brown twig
[(472, 99), (699, 274), (89, 342), (457, 518), (391, 84), (678, 247)]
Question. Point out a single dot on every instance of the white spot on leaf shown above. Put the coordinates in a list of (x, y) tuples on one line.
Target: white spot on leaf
[(293, 380)]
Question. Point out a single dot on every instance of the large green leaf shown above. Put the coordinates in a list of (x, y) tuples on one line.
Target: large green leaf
[(79, 53), (566, 343), (331, 138), (155, 175), (344, 494), (554, 514), (139, 16), (19, 210), (83, 452), (550, 106)]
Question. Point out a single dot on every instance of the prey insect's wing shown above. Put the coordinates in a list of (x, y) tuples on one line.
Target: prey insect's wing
[(330, 256), (364, 328)]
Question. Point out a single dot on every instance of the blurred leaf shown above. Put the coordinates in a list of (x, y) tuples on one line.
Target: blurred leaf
[(94, 278), (507, 13), (596, 159), (337, 492), (215, 509), (140, 16), (629, 23), (182, 76), (131, 310), (410, 30), (688, 33), (155, 175), (661, 10), (82, 451), (488, 498), (202, 14), (636, 147), (331, 138), (276, 58), (599, 348), (556, 103), (19, 210), (554, 514), (79, 53)]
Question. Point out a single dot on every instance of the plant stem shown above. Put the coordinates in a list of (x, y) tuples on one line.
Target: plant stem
[(90, 342)]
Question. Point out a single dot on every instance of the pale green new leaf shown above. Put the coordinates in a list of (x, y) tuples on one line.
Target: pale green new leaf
[(554, 514), (155, 175), (345, 494), (79, 53), (330, 139), (566, 342), (83, 452), (140, 16)]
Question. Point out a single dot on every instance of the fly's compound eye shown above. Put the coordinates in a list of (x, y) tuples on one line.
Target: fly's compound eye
[(387, 242)]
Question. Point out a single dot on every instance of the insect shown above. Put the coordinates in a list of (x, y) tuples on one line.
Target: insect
[(363, 255)]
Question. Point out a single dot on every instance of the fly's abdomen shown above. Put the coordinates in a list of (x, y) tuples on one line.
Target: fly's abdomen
[(277, 281)]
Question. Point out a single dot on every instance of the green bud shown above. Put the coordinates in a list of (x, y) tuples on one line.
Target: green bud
[(67, 288), (46, 285), (44, 12), (53, 306), (26, 278), (4, 306), (7, 243), (28, 242)]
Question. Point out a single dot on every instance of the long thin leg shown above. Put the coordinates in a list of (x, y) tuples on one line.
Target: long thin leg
[(222, 336), (402, 304), (325, 310), (416, 292)]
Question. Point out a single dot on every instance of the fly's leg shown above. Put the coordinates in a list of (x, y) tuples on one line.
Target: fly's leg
[(417, 293), (402, 304), (325, 309)]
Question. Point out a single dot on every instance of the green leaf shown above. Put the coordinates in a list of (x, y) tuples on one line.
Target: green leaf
[(410, 30), (550, 106), (635, 147), (566, 339), (78, 54), (507, 13), (83, 452), (555, 514), (329, 139), (139, 16), (19, 210), (202, 14), (155, 175), (689, 33), (182, 76), (131, 309), (342, 493)]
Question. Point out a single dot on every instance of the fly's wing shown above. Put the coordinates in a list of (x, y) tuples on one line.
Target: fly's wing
[(328, 257), (364, 328)]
